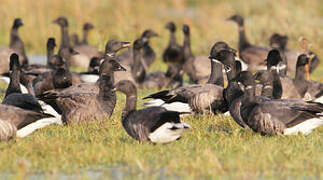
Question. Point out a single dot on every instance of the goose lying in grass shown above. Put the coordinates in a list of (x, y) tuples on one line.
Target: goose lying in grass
[(15, 121), (80, 105), (14, 97), (155, 124), (283, 116), (201, 98), (252, 55)]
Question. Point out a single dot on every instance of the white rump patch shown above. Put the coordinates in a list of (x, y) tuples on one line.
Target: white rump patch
[(305, 127), (153, 103), (89, 78), (25, 131), (168, 132)]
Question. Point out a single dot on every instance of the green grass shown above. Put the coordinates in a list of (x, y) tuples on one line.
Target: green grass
[(215, 148)]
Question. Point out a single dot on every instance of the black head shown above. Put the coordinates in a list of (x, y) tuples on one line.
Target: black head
[(171, 26), (273, 58), (147, 34), (236, 18), (14, 62), (94, 65), (219, 46), (226, 57), (246, 78), (17, 23), (278, 41), (61, 21), (62, 78), (110, 65), (186, 29), (138, 44), (51, 43), (114, 46), (126, 87), (302, 60), (87, 26), (94, 62)]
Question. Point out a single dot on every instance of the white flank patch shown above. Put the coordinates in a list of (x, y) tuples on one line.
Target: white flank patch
[(25, 131), (7, 81), (177, 106), (320, 99), (49, 110), (89, 78), (165, 134), (305, 127), (153, 103)]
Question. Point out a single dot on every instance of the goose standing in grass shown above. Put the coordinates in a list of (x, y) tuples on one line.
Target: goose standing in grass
[(86, 52), (148, 54), (45, 81), (82, 107), (199, 98), (174, 52), (155, 79), (283, 116), (16, 46), (198, 68), (155, 124), (280, 42), (252, 55)]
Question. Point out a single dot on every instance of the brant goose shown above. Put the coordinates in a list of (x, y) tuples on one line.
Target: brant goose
[(283, 116), (14, 121), (201, 98), (16, 46), (280, 42), (174, 52), (148, 53), (155, 124), (152, 80), (86, 52), (252, 55), (83, 107)]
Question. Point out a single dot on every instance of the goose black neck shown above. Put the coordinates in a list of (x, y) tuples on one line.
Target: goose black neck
[(172, 40), (277, 86), (216, 76), (300, 81), (85, 35), (232, 92), (14, 85), (187, 46), (14, 37), (243, 41), (138, 70), (50, 53), (131, 104), (65, 41)]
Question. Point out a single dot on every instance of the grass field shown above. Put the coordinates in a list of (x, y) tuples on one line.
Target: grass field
[(216, 147)]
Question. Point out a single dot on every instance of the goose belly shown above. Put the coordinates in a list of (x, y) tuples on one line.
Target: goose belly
[(168, 132)]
